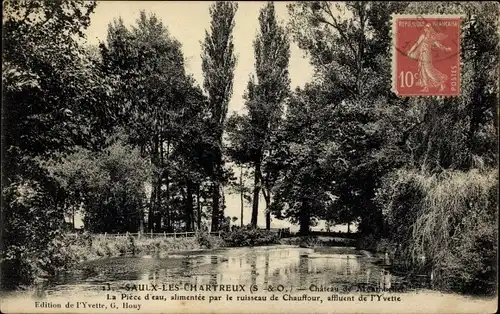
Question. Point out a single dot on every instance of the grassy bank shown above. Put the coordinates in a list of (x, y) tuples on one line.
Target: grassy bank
[(90, 247), (445, 224), (83, 247)]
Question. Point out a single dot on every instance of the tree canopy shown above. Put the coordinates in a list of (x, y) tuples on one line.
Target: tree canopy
[(218, 63)]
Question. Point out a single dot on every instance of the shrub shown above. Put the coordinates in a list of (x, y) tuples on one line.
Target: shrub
[(131, 246), (368, 243), (121, 245), (204, 239), (374, 244), (450, 220), (33, 245), (248, 236)]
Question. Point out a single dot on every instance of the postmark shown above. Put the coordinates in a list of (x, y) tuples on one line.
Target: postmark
[(426, 55)]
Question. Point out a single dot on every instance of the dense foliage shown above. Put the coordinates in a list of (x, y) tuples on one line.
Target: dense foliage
[(162, 113), (446, 218), (410, 169), (249, 236), (108, 186), (218, 63)]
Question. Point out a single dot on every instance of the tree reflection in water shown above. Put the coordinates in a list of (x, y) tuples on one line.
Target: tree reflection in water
[(303, 270), (266, 271), (213, 270), (253, 268), (288, 266)]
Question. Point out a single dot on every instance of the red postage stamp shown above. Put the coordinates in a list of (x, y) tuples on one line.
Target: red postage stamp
[(426, 55)]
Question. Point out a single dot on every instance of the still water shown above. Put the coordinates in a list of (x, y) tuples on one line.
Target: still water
[(278, 267)]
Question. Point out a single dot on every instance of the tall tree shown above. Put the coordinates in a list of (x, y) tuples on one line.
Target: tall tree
[(189, 165), (272, 54), (255, 132), (349, 46), (240, 186), (306, 160), (218, 63), (151, 88)]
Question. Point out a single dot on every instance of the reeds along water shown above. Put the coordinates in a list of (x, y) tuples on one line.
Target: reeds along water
[(100, 247), (444, 225)]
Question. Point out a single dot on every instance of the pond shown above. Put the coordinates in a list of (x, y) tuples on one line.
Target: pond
[(325, 279), (280, 267)]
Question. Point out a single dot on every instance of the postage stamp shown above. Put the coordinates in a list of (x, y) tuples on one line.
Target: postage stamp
[(426, 55)]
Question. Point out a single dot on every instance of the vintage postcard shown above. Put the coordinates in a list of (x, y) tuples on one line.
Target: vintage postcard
[(249, 157)]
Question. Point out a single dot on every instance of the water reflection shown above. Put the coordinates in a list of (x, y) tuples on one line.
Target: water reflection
[(288, 266), (266, 267), (303, 270), (213, 270)]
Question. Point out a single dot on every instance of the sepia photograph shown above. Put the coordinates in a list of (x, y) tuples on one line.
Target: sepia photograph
[(249, 157)]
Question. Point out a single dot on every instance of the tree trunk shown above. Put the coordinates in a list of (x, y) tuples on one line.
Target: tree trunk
[(167, 183), (241, 196), (256, 192), (267, 197), (216, 186), (198, 204), (348, 227), (215, 205), (158, 213), (156, 197), (73, 218), (189, 205), (222, 211), (305, 221), (158, 163), (141, 222), (152, 207)]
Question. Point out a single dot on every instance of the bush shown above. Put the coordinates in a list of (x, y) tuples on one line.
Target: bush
[(98, 246), (205, 240), (131, 246), (33, 244), (450, 220), (248, 236)]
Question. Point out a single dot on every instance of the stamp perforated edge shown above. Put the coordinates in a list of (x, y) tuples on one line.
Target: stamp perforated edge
[(393, 19)]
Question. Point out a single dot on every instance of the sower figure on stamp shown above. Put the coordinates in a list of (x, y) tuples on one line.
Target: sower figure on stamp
[(428, 75)]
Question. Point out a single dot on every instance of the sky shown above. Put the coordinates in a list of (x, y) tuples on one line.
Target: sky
[(187, 21)]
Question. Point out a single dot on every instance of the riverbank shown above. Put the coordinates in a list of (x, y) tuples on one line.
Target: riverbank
[(84, 247), (318, 241), (87, 247)]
